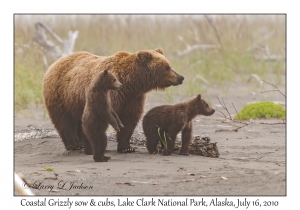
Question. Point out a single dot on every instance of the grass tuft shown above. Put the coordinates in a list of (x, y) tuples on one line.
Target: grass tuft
[(164, 138), (48, 169)]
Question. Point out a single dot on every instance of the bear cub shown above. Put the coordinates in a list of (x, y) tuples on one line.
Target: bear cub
[(163, 123), (98, 113)]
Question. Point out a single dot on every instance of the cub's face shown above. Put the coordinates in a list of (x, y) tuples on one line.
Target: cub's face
[(159, 69), (105, 80), (203, 108), (111, 82)]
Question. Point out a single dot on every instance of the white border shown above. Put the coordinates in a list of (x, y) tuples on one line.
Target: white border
[(154, 6)]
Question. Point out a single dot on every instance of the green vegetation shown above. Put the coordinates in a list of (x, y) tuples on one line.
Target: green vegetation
[(164, 138), (107, 34), (28, 81), (49, 169), (264, 109)]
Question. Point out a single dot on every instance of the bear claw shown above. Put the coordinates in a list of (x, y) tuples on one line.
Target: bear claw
[(183, 153), (128, 150)]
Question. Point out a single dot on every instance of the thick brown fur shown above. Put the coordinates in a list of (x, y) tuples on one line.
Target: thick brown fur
[(98, 113), (169, 120), (67, 79)]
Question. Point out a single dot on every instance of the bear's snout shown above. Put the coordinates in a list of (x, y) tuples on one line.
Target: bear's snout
[(181, 78), (118, 85), (211, 112), (177, 78)]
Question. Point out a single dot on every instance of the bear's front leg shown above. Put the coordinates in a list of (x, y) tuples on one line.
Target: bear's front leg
[(130, 115), (186, 136), (113, 122), (117, 119)]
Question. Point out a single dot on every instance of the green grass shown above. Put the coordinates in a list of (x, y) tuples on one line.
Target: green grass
[(264, 109), (48, 169), (28, 82), (104, 35), (163, 138)]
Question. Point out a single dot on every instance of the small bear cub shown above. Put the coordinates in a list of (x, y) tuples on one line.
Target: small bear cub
[(98, 113), (163, 123)]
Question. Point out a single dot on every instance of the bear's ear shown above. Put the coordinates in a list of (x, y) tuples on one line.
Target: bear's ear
[(199, 97), (159, 51), (105, 72), (144, 56)]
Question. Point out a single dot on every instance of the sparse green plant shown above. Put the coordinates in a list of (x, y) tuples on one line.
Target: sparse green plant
[(48, 169), (264, 109), (164, 138)]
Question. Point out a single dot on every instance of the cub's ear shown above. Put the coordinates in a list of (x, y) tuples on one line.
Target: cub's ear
[(144, 56), (199, 96), (105, 72), (159, 51)]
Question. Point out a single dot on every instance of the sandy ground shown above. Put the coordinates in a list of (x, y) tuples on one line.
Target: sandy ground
[(252, 161)]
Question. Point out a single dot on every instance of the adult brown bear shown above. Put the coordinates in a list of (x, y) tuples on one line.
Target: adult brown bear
[(67, 79)]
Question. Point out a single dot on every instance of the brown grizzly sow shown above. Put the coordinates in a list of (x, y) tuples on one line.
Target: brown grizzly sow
[(163, 123), (66, 80), (98, 113)]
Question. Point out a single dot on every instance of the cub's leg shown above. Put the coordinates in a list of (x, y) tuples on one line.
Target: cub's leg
[(152, 139), (99, 147), (186, 138), (117, 119), (113, 122), (94, 130), (170, 142)]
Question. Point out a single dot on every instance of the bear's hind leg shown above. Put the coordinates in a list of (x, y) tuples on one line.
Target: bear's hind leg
[(84, 139), (152, 141), (169, 142), (99, 146), (67, 127)]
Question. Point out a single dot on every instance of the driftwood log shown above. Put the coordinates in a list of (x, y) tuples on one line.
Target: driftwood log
[(51, 50), (201, 145)]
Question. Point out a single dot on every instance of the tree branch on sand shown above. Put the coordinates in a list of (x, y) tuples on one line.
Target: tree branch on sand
[(237, 123), (272, 90)]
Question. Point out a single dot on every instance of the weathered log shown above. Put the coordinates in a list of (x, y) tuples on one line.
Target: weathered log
[(52, 51)]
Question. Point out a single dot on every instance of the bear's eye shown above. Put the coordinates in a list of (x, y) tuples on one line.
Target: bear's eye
[(114, 80), (206, 105), (167, 68)]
